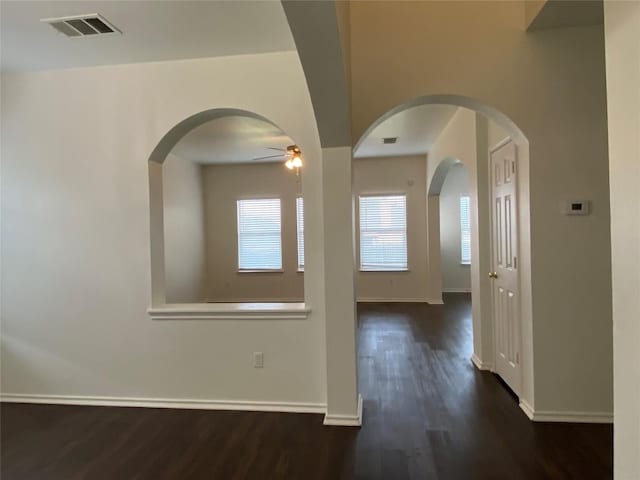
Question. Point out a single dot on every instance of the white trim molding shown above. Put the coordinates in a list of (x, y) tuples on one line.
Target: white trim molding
[(500, 144), (456, 290), (177, 403), (435, 301), (480, 365), (565, 417), (390, 300), (345, 420), (230, 311)]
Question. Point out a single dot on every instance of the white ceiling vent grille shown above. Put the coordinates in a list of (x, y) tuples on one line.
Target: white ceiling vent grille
[(389, 140), (82, 25)]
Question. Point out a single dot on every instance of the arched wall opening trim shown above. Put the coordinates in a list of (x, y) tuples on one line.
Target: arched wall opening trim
[(458, 100), (159, 309)]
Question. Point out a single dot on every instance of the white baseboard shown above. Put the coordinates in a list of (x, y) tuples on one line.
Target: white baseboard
[(565, 417), (390, 300), (435, 301), (480, 365), (346, 420), (527, 409), (178, 403), (456, 290)]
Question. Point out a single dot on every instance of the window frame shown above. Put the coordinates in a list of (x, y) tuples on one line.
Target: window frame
[(463, 261), (300, 268), (406, 231), (257, 270)]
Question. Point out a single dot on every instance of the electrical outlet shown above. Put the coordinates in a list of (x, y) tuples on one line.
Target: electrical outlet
[(258, 360)]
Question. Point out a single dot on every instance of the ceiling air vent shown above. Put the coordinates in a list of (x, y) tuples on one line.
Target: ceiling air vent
[(389, 140), (82, 25)]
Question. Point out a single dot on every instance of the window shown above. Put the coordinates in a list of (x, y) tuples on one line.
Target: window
[(465, 231), (300, 232), (383, 233), (259, 234)]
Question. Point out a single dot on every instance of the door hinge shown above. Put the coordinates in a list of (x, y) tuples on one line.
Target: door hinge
[(515, 262), (518, 358)]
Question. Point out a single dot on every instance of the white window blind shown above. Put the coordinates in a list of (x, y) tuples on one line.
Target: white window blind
[(383, 233), (465, 231), (300, 231), (259, 234)]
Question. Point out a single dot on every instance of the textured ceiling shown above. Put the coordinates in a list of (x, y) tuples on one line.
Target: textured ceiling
[(151, 31)]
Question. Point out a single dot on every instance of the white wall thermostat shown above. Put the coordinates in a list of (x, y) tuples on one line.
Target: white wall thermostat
[(577, 207)]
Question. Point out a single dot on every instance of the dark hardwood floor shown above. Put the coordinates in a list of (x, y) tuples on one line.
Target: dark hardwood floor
[(428, 415)]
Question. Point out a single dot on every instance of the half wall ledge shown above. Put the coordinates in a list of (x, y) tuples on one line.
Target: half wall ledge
[(230, 311)]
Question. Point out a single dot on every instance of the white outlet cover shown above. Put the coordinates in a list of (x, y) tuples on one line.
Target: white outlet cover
[(577, 207)]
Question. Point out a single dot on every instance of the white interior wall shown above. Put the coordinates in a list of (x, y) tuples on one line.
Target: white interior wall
[(75, 235), (456, 277), (224, 186), (395, 175), (563, 116), (496, 134), (456, 142), (622, 24), (184, 244)]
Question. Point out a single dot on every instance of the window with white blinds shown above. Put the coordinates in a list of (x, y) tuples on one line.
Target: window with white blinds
[(259, 234), (465, 230), (383, 233), (300, 231)]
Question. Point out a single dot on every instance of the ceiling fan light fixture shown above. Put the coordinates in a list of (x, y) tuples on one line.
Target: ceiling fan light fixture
[(295, 158), (296, 161)]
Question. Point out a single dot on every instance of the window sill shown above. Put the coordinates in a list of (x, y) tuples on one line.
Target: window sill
[(262, 271), (230, 311), (465, 264)]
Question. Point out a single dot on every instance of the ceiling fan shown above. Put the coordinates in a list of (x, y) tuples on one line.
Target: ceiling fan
[(292, 154)]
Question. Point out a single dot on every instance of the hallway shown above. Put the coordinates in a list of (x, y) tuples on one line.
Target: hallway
[(428, 415)]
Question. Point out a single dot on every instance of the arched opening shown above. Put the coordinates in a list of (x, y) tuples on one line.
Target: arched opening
[(450, 183), (441, 173), (470, 103), (470, 139), (227, 217)]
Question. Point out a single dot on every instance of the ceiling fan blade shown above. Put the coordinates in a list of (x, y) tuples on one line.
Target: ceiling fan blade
[(276, 148), (281, 155)]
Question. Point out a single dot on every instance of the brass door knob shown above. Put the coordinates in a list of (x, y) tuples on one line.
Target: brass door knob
[(493, 275)]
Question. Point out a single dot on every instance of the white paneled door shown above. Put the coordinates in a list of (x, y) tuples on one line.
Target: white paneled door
[(504, 273)]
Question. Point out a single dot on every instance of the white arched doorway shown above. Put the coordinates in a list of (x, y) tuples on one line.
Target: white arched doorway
[(483, 124), (449, 240)]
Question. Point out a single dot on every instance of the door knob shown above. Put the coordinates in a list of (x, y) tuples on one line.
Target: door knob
[(493, 275)]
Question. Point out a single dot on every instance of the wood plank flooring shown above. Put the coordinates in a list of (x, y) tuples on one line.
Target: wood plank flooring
[(428, 415)]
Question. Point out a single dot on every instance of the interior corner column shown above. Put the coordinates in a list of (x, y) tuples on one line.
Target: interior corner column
[(481, 247), (342, 379), (434, 255)]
